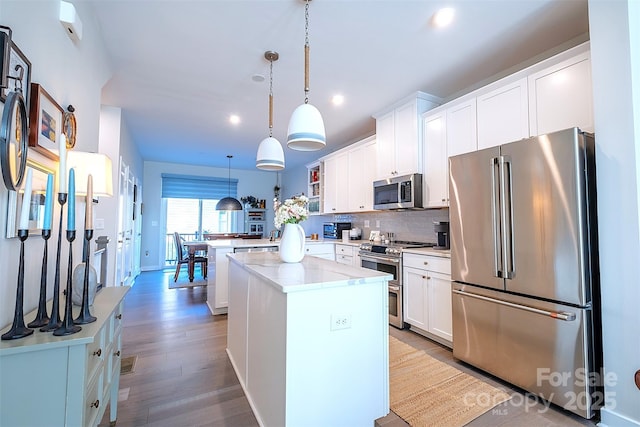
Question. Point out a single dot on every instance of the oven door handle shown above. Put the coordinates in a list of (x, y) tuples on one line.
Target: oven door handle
[(368, 257)]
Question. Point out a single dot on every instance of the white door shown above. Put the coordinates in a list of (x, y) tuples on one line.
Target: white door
[(125, 244), (137, 221)]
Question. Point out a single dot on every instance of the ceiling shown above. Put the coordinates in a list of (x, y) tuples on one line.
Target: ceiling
[(181, 67)]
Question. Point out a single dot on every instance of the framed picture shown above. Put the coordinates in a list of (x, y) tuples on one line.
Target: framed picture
[(38, 199), (16, 68), (45, 123)]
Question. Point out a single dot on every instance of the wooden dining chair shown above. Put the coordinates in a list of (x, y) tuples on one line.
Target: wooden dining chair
[(182, 257)]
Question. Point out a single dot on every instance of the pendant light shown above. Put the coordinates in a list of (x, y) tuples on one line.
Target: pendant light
[(270, 154), (306, 128), (229, 203)]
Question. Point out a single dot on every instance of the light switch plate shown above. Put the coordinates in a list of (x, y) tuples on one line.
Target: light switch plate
[(98, 224)]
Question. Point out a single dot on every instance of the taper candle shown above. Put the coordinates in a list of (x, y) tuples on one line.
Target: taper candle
[(71, 205), (48, 203), (88, 212), (26, 202), (62, 167)]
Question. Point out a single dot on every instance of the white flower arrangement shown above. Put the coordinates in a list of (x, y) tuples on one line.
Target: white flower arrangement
[(292, 211)]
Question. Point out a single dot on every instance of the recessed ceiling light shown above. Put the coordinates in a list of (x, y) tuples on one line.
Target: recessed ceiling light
[(443, 17), (257, 78), (337, 99), (234, 119)]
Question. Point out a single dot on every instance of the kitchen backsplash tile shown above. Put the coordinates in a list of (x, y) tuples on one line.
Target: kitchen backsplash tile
[(407, 225)]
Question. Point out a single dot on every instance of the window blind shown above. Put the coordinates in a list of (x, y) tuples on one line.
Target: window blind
[(198, 187)]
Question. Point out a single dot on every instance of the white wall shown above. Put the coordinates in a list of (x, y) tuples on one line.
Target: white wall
[(116, 142), (615, 53), (250, 183), (72, 73)]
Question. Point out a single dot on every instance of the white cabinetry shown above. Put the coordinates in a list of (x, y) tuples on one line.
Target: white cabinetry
[(503, 115), (314, 188), (217, 279), (399, 136), (362, 160), (561, 96), (347, 254), (461, 127), (69, 380), (436, 167), (348, 178), (321, 250), (335, 177), (427, 296)]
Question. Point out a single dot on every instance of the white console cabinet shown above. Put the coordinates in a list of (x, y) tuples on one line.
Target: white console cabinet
[(64, 381)]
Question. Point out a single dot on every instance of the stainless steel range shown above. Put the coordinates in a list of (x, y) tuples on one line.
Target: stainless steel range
[(388, 259)]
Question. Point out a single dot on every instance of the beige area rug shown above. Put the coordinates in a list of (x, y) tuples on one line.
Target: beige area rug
[(128, 364), (427, 392)]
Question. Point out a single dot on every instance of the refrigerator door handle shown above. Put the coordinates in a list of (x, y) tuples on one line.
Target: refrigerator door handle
[(560, 315), (507, 217), (495, 219)]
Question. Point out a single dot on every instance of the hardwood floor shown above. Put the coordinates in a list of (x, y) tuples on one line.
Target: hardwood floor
[(183, 376)]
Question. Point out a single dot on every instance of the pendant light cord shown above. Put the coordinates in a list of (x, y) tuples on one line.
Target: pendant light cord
[(270, 97), (306, 52)]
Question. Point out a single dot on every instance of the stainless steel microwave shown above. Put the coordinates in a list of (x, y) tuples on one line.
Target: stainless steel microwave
[(399, 192)]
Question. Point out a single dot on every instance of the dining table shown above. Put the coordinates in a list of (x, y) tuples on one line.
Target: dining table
[(193, 247)]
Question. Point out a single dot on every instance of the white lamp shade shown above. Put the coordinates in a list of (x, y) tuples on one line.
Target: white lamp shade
[(95, 164), (270, 155), (306, 129)]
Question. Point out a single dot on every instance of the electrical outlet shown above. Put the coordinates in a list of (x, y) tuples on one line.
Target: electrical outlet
[(377, 223), (340, 321), (366, 223)]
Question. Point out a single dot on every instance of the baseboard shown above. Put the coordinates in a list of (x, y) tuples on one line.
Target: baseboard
[(614, 419)]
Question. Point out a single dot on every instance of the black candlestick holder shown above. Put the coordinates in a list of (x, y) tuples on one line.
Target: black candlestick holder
[(42, 318), (54, 320), (85, 316), (18, 329), (67, 327)]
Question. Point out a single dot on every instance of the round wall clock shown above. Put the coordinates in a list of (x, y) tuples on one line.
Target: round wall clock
[(13, 140), (69, 126)]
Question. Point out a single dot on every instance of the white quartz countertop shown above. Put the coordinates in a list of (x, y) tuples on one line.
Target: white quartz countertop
[(444, 253), (247, 243), (311, 273)]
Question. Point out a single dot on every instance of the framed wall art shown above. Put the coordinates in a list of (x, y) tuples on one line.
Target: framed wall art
[(45, 123), (15, 68), (38, 200)]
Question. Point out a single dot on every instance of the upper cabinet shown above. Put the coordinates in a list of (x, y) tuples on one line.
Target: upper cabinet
[(436, 175), (361, 174), (561, 96), (348, 178), (461, 127), (314, 188), (399, 136), (503, 115)]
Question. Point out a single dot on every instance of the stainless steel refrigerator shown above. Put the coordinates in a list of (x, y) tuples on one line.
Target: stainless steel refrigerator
[(524, 265)]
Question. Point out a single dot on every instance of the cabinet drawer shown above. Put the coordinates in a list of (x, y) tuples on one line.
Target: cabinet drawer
[(319, 249), (344, 250), (93, 401), (344, 259), (425, 262), (95, 354)]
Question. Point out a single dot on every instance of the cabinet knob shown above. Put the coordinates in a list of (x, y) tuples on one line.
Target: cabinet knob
[(98, 352), (428, 277), (425, 263), (444, 200), (119, 316), (424, 277), (96, 403), (117, 353)]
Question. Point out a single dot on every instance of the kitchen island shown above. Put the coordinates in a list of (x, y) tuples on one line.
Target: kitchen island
[(309, 340)]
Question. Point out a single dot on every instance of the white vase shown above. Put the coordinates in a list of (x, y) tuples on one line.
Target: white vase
[(292, 243)]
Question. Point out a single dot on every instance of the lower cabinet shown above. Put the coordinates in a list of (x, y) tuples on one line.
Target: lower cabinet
[(67, 380), (217, 279), (427, 296), (321, 250), (347, 254)]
